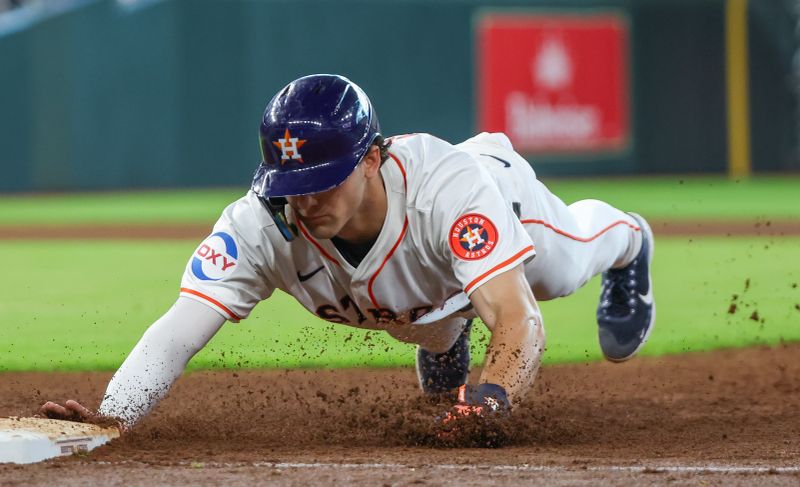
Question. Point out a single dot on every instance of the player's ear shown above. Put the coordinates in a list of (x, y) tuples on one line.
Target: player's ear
[(372, 161)]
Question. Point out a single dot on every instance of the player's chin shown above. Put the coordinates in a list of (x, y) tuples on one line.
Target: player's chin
[(322, 227)]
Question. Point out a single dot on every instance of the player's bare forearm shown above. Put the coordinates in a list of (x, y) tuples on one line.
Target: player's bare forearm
[(513, 356), (508, 307)]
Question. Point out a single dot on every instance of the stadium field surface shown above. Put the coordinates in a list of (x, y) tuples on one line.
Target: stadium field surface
[(662, 198), (81, 303)]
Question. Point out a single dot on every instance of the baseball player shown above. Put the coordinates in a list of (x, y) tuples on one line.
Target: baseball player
[(407, 234)]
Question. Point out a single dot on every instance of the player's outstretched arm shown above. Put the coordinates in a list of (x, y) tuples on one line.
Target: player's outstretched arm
[(507, 306), (151, 368)]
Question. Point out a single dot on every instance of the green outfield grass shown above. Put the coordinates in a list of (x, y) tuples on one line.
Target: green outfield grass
[(672, 197), (82, 305)]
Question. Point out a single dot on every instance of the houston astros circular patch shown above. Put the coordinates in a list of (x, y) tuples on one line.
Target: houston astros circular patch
[(473, 237)]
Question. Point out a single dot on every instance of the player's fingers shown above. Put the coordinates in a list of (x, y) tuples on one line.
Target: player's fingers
[(461, 411), (78, 409), (53, 411), (77, 412)]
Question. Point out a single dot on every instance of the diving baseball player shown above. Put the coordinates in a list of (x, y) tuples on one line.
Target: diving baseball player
[(407, 234)]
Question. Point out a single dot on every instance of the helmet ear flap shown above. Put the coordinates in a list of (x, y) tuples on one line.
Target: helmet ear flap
[(276, 207)]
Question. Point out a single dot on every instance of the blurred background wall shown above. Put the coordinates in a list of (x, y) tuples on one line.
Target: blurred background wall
[(105, 94)]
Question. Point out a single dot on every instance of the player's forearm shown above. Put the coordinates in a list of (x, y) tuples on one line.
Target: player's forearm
[(158, 360), (142, 381), (514, 355)]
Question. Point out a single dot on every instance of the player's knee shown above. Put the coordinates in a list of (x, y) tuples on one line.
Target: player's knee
[(557, 286), (543, 292), (587, 206), (436, 337)]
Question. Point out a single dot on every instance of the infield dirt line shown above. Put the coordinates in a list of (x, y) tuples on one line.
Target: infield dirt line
[(707, 468)]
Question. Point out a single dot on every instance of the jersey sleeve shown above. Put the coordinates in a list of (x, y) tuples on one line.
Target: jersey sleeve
[(476, 228), (226, 271)]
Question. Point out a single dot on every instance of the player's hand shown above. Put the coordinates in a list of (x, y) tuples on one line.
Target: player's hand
[(480, 400), (475, 415), (75, 411)]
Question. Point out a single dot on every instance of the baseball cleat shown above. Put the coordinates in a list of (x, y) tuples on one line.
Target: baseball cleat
[(443, 372), (627, 311)]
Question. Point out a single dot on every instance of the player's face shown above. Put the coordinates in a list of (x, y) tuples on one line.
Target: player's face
[(325, 214), (331, 213)]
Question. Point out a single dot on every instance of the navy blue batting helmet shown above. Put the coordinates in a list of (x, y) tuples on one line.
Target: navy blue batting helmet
[(314, 133)]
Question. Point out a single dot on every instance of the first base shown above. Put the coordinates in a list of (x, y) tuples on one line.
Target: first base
[(30, 440)]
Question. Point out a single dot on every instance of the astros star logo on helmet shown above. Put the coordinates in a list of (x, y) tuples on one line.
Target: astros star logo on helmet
[(290, 147)]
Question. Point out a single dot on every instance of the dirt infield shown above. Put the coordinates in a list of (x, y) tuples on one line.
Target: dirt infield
[(729, 417), (675, 228)]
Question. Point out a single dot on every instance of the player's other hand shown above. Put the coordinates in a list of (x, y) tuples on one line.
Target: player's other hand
[(481, 400), (476, 418), (75, 411)]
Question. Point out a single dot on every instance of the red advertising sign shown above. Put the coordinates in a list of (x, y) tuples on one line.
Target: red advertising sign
[(555, 83)]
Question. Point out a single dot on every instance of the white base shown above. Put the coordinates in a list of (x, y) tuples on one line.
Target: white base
[(30, 440)]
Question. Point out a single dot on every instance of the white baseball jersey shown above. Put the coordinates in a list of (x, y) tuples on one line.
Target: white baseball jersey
[(450, 227), (457, 217)]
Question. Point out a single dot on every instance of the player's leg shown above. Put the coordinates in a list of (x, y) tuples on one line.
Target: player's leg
[(443, 372), (442, 352), (573, 243), (576, 242), (626, 313), (591, 237)]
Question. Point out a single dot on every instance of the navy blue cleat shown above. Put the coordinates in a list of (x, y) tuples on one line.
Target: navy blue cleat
[(444, 372), (627, 312)]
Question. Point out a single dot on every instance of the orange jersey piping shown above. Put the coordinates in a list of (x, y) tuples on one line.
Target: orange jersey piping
[(402, 170), (498, 266), (579, 239), (385, 260), (396, 244), (316, 244), (212, 301)]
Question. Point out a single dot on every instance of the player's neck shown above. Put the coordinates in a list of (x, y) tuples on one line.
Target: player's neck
[(367, 222)]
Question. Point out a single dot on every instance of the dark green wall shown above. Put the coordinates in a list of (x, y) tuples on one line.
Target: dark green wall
[(170, 94), (773, 86), (680, 114), (91, 100), (16, 112)]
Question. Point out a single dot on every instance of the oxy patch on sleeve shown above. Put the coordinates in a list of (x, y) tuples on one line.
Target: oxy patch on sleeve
[(473, 236), (215, 258)]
